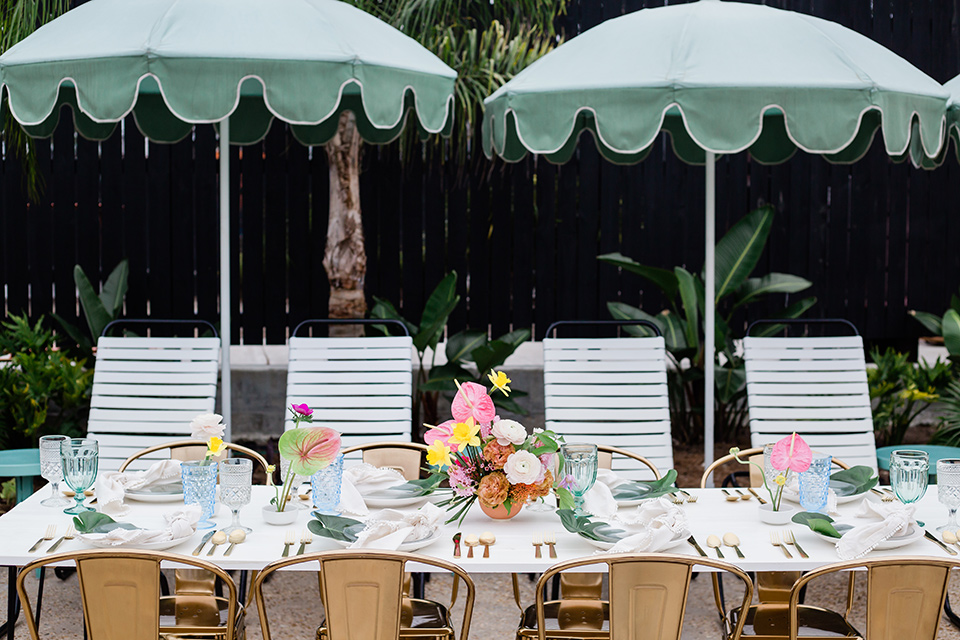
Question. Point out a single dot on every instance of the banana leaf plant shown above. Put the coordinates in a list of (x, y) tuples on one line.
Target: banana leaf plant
[(470, 354), (681, 323), (98, 310), (947, 326)]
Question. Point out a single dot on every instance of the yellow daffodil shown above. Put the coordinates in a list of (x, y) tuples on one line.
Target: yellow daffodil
[(499, 380), (780, 480), (466, 433), (438, 454), (215, 445), (271, 468)]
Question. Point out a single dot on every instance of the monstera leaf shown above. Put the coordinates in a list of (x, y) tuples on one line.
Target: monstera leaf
[(335, 527), (584, 527), (853, 481), (818, 523), (309, 449), (643, 489), (96, 522)]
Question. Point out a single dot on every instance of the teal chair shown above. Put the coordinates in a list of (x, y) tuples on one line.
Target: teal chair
[(22, 465), (935, 451)]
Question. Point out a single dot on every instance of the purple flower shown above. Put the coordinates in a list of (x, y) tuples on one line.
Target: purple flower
[(566, 483), (302, 409)]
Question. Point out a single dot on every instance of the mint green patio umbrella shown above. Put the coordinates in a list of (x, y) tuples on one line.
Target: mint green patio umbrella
[(720, 78), (239, 64)]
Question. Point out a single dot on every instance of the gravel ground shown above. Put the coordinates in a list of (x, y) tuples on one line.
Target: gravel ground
[(295, 612)]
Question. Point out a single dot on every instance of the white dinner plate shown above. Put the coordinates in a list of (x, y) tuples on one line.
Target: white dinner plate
[(151, 546), (411, 545), (384, 500), (163, 493), (914, 533)]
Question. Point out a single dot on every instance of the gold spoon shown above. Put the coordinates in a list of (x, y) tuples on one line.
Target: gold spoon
[(218, 538), (743, 496), (731, 540), (486, 539), (714, 543), (470, 541), (236, 537), (730, 496)]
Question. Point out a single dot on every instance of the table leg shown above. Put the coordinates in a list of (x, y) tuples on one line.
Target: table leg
[(13, 604)]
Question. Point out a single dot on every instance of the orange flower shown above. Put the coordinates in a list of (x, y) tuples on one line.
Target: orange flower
[(493, 489), (497, 454)]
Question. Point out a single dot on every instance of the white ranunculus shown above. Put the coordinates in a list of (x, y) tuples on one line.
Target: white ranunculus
[(523, 467), (508, 432), (206, 425)]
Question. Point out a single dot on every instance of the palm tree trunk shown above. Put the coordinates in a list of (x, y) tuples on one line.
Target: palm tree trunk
[(345, 258)]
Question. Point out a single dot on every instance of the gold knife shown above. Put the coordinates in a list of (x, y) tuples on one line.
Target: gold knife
[(696, 546), (927, 534), (756, 495), (203, 541)]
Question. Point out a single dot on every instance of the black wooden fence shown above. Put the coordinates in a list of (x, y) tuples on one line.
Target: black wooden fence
[(876, 238)]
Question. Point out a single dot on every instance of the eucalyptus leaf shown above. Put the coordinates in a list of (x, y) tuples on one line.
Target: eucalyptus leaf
[(818, 523), (335, 527), (853, 481)]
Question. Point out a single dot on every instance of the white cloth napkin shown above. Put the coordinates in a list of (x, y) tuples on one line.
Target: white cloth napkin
[(388, 529), (112, 487), (655, 526), (363, 478), (885, 520), (179, 524), (599, 500)]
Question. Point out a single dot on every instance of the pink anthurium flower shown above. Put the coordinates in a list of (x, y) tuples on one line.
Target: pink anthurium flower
[(309, 449), (442, 432), (791, 453), (472, 401)]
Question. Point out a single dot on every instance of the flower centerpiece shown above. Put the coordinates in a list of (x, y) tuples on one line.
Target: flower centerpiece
[(791, 453), (489, 460), (307, 449)]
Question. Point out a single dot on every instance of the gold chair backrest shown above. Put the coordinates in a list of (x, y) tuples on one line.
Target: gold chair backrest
[(605, 458), (405, 457), (648, 592), (904, 595), (195, 449), (120, 591), (753, 455), (362, 592)]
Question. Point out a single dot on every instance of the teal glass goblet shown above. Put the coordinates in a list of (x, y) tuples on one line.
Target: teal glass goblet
[(79, 458), (580, 467)]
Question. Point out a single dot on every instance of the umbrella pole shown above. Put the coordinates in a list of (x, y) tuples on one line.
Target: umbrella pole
[(709, 271), (225, 305)]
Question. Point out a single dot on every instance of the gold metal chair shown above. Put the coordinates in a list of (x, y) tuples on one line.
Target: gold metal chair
[(605, 458), (362, 594), (648, 597), (194, 449), (755, 479), (905, 596), (405, 457), (121, 598)]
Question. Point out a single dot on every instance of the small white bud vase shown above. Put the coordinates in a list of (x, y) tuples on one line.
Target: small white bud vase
[(780, 517), (279, 518)]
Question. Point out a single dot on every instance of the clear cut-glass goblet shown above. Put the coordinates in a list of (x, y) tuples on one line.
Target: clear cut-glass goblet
[(236, 475), (580, 468), (51, 468), (948, 490)]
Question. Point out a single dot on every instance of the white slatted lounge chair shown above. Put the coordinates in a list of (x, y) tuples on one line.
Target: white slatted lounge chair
[(147, 390), (814, 386), (610, 391), (362, 387)]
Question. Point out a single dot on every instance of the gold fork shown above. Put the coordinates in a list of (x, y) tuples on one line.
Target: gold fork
[(789, 538), (884, 496), (537, 541), (47, 535), (289, 540), (550, 540), (775, 541), (691, 498), (676, 498), (305, 538), (68, 535)]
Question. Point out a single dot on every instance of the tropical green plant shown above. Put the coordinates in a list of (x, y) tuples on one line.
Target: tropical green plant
[(947, 326), (98, 310), (901, 391), (948, 432), (737, 255), (470, 354), (487, 43), (42, 390)]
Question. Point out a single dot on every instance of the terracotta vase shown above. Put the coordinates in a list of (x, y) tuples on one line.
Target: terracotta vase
[(500, 512)]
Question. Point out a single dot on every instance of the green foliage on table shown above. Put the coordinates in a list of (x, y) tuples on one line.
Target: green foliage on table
[(420, 486), (947, 326), (470, 354), (817, 522), (853, 481), (643, 489), (96, 522), (681, 324), (586, 528), (335, 527), (901, 391), (43, 391), (98, 310)]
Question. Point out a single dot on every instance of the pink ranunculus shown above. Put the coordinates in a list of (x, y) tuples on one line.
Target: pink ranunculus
[(303, 409), (472, 401), (441, 432), (791, 453)]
